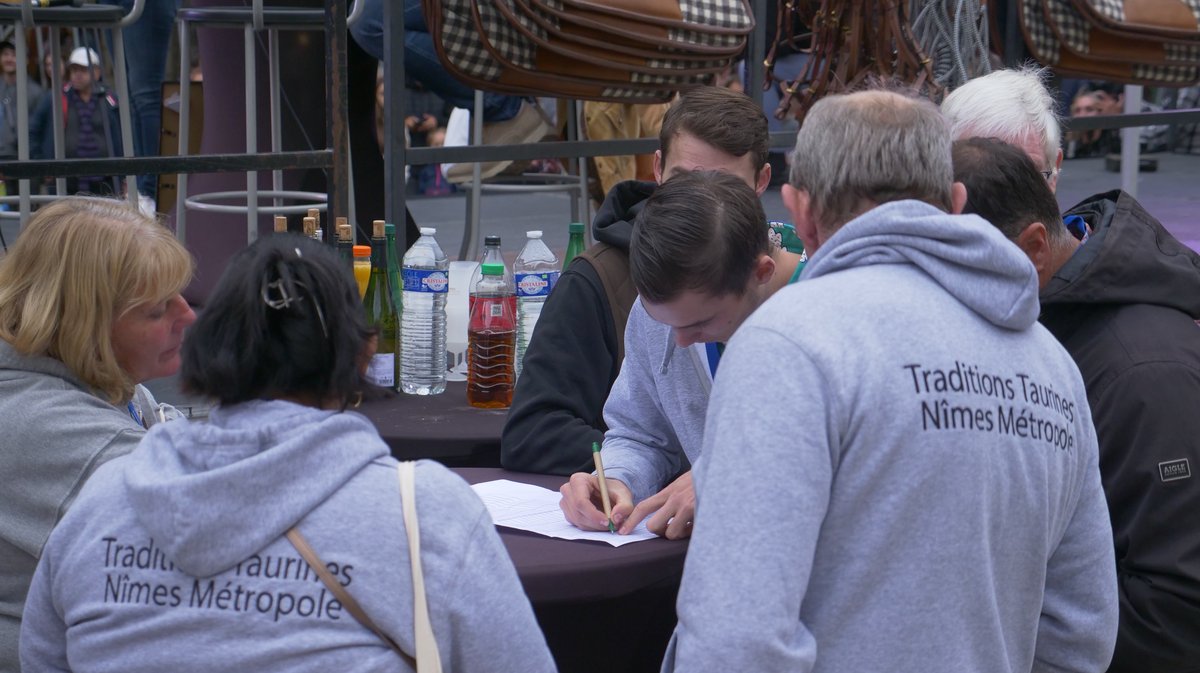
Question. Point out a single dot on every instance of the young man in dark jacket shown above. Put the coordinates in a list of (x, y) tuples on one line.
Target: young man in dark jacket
[(1122, 295), (576, 352), (91, 126)]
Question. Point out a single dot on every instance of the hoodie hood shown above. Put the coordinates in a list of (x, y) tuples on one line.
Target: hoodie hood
[(212, 494), (964, 254), (613, 223), (1129, 258), (13, 360)]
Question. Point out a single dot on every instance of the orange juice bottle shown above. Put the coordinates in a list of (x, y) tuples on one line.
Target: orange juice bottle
[(362, 268)]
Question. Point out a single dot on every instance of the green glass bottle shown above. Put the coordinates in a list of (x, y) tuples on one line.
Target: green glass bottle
[(393, 267), (382, 315), (574, 243)]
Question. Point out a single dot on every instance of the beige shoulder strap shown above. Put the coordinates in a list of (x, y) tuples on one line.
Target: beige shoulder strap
[(428, 658), (339, 592)]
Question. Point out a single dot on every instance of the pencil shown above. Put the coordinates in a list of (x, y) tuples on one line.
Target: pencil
[(603, 486)]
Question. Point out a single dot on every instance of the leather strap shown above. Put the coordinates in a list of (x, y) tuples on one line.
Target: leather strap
[(347, 601), (612, 266)]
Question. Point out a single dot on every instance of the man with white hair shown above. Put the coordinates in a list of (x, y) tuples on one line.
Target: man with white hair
[(1013, 106), (931, 502), (1122, 295)]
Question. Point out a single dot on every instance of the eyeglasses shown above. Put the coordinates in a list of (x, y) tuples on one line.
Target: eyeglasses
[(1047, 174)]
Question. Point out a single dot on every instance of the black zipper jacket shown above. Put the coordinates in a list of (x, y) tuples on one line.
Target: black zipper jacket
[(1125, 307)]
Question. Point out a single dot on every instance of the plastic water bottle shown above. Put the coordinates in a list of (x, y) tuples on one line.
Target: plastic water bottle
[(536, 271), (423, 331), (490, 341)]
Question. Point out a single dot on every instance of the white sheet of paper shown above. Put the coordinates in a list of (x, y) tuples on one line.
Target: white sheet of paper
[(535, 509)]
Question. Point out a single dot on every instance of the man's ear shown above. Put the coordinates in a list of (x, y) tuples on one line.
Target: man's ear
[(658, 166), (1035, 243), (958, 198), (764, 179), (1053, 181), (764, 269), (797, 202)]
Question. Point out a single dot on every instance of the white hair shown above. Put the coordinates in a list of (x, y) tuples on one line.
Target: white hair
[(1013, 106)]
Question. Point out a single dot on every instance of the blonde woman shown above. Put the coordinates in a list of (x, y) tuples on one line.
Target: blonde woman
[(89, 308)]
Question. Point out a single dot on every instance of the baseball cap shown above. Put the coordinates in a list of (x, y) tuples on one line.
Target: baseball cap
[(81, 56)]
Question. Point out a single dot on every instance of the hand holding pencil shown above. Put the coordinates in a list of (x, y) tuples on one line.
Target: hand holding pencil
[(603, 486), (591, 501)]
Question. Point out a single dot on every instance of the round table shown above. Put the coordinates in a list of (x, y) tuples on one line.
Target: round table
[(441, 427), (602, 608)]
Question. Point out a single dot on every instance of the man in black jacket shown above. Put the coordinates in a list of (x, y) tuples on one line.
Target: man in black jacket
[(576, 350), (1122, 295)]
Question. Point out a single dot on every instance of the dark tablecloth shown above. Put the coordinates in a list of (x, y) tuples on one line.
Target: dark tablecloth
[(441, 427), (602, 608)]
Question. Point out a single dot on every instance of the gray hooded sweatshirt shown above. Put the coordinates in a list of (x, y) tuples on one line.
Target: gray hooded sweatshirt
[(56, 431), (655, 412), (932, 503), (173, 559)]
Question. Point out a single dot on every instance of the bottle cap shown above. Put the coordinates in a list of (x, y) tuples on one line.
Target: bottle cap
[(362, 251), (491, 240), (428, 231), (536, 233), (493, 269), (390, 229), (345, 232), (575, 228)]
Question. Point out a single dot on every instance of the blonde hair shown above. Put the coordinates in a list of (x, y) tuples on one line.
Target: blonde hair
[(81, 263)]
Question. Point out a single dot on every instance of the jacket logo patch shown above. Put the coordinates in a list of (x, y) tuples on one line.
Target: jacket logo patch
[(1173, 470)]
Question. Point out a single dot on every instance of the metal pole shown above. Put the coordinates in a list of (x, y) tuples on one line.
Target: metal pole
[(185, 102), (394, 149), (337, 110), (756, 49), (1130, 147), (251, 84)]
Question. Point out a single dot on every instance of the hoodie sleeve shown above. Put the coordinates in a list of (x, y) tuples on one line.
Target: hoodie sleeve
[(1078, 622), (43, 632), (569, 368), (641, 448), (1150, 438), (744, 582)]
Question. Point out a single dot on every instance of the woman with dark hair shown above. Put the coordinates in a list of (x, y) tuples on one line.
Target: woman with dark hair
[(185, 555)]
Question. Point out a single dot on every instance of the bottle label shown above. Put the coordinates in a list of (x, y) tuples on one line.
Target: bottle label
[(496, 310), (381, 370), (536, 284), (425, 280)]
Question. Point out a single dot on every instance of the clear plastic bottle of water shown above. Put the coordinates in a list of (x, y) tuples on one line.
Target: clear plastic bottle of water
[(535, 271), (423, 322)]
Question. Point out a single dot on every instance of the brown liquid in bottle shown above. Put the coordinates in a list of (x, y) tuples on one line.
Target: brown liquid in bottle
[(490, 379)]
